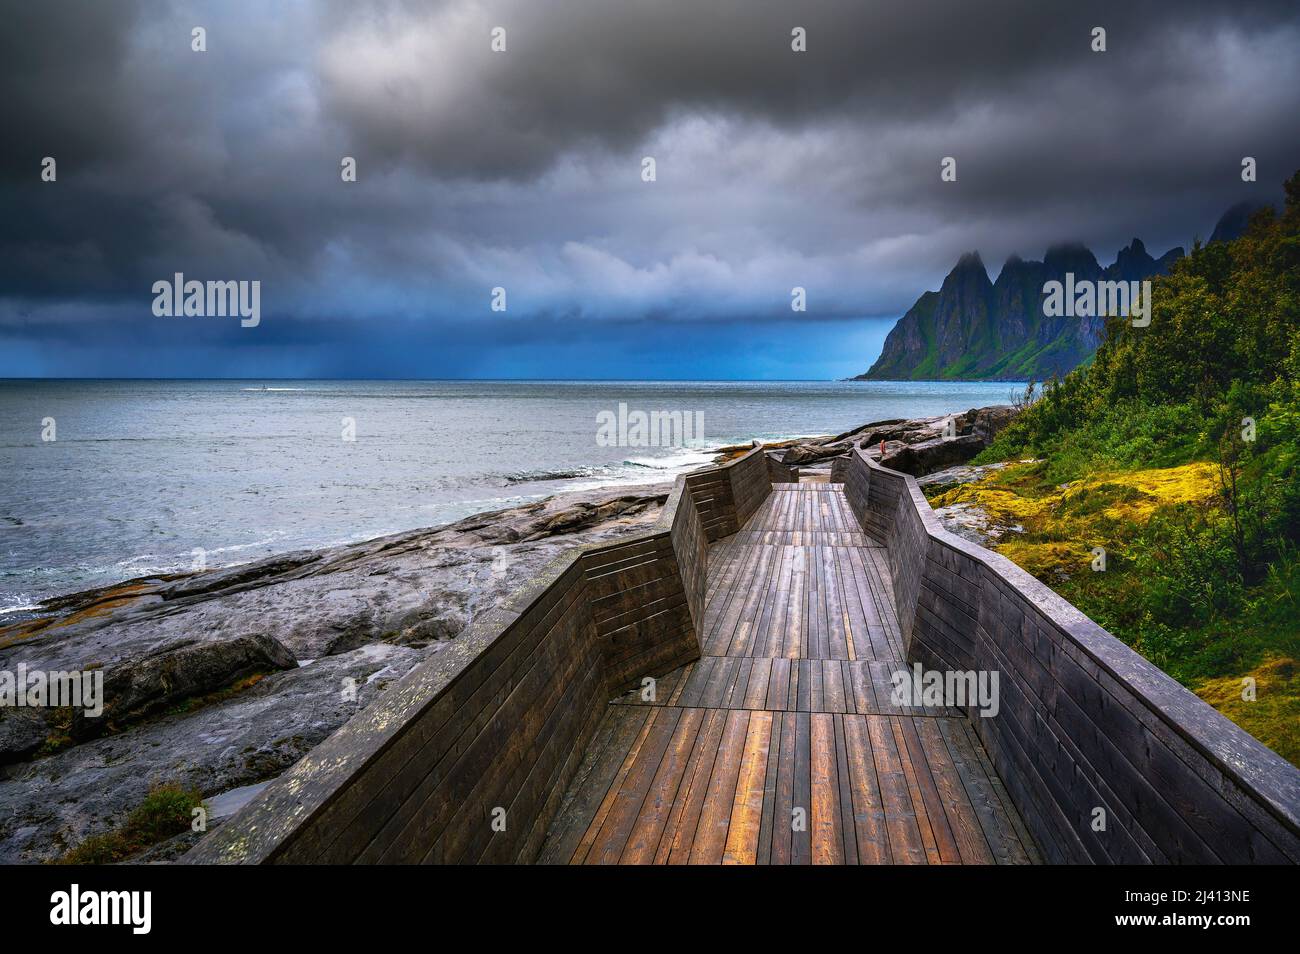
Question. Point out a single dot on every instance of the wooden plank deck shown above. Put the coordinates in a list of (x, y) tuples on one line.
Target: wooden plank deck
[(780, 745)]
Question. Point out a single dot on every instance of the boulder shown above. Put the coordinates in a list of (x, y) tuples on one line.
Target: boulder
[(914, 446), (22, 732), (986, 422), (143, 686), (802, 454), (857, 433), (890, 448), (906, 432), (934, 454)]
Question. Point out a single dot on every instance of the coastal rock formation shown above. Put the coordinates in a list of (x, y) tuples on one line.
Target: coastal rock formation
[(933, 454), (225, 678), (915, 447), (138, 688)]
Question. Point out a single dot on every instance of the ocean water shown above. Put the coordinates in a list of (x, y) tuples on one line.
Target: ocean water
[(142, 473)]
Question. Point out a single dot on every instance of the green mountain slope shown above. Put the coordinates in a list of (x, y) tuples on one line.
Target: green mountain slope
[(973, 328)]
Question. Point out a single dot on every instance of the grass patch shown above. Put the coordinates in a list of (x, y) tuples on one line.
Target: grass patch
[(1096, 511), (1274, 713), (60, 736), (166, 811), (1178, 449), (1168, 590)]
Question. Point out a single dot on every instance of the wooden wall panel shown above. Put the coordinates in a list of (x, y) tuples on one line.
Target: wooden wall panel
[(779, 473), (725, 497), (691, 549)]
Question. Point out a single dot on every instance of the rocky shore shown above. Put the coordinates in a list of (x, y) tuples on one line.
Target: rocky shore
[(219, 681), (919, 446), (223, 679)]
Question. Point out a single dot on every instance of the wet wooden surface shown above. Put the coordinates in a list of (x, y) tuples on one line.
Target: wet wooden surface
[(781, 744)]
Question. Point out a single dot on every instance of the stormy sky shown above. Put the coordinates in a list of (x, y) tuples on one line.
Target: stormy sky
[(522, 169)]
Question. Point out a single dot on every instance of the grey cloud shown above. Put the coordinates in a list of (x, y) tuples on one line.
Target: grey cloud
[(420, 83), (522, 168)]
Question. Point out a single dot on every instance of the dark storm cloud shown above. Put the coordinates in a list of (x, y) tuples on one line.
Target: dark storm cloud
[(422, 83), (61, 81), (522, 168)]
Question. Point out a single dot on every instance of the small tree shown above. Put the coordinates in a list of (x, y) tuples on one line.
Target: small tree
[(1232, 450), (1023, 399)]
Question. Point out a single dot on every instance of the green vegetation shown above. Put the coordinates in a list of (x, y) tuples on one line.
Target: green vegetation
[(166, 811), (1150, 452)]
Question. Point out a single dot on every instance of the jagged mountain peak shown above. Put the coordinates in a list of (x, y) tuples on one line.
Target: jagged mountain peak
[(1232, 224), (1166, 260), (1016, 269), (1133, 263), (1070, 255), (974, 329)]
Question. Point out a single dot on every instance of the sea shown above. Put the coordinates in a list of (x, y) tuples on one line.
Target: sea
[(102, 481)]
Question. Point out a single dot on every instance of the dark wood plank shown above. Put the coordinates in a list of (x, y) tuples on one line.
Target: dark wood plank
[(679, 834), (956, 798), (935, 807), (656, 809), (600, 765), (905, 844), (770, 781), (607, 803), (801, 839), (868, 809), (715, 815), (922, 816), (827, 846), (616, 828), (747, 809), (848, 837), (784, 797)]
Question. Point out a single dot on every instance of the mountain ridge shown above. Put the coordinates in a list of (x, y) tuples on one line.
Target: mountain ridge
[(978, 328)]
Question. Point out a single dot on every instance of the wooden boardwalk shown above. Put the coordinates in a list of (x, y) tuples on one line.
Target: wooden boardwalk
[(780, 745)]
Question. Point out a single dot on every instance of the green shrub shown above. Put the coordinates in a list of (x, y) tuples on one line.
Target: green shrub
[(1189, 566), (166, 811)]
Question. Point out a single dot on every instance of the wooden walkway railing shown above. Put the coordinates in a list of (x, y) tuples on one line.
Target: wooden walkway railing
[(757, 628), (781, 744), (1107, 757), (466, 758)]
